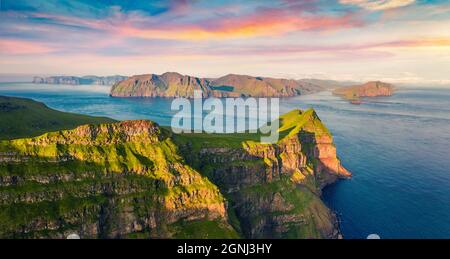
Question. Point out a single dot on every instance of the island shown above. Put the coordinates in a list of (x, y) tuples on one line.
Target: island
[(74, 80), (369, 89), (172, 84), (136, 179)]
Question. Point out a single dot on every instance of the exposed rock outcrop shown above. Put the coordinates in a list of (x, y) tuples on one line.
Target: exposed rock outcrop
[(275, 188), (134, 179), (120, 180)]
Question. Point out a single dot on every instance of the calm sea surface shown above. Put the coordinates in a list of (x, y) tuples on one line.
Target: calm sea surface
[(398, 149)]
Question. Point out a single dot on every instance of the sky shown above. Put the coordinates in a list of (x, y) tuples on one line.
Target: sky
[(398, 41)]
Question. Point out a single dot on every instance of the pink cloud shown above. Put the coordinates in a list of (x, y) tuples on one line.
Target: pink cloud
[(420, 42), (266, 22), (384, 45), (17, 47)]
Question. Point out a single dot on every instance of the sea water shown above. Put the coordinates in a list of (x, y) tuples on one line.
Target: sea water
[(398, 149)]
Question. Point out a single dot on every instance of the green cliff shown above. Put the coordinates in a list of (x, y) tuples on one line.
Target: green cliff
[(134, 179), (120, 180), (273, 189)]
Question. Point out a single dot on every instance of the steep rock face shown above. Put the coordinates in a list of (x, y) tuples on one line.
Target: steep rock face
[(177, 85), (258, 86), (134, 179), (165, 85), (369, 89), (274, 189), (121, 180)]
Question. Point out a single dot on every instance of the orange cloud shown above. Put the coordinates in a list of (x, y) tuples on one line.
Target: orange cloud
[(16, 47), (269, 23), (266, 22)]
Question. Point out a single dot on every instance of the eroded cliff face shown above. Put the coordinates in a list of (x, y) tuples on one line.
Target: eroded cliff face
[(119, 180), (165, 85), (134, 179), (274, 189)]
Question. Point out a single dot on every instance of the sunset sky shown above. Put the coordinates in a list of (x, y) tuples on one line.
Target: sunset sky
[(399, 41)]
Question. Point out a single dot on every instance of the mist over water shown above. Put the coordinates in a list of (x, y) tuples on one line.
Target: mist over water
[(396, 147)]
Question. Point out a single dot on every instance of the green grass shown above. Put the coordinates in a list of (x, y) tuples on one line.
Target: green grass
[(297, 121), (203, 229), (149, 167), (290, 124), (206, 140), (302, 198), (291, 193), (21, 118), (303, 202), (145, 168)]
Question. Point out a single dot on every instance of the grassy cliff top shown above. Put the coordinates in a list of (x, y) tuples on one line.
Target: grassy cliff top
[(68, 178), (297, 121), (27, 118), (22, 117), (143, 131), (290, 124)]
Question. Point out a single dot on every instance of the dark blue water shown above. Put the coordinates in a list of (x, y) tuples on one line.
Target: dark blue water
[(398, 149)]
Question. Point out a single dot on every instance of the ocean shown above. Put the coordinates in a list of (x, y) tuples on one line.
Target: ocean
[(398, 149)]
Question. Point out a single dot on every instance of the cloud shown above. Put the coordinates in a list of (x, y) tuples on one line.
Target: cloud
[(380, 48), (265, 24), (260, 37), (420, 42), (19, 47), (377, 5)]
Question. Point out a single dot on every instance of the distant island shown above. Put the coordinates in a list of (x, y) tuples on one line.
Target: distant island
[(369, 89), (172, 84), (74, 80)]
